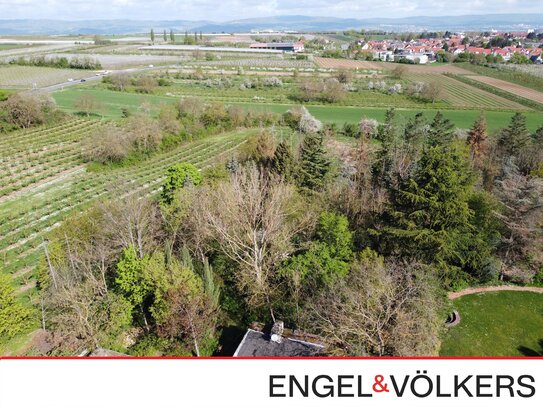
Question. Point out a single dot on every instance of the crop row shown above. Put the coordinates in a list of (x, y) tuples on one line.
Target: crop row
[(22, 239)]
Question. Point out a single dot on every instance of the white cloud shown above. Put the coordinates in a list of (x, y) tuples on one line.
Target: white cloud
[(222, 10)]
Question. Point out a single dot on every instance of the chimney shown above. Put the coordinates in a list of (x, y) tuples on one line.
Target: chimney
[(277, 332)]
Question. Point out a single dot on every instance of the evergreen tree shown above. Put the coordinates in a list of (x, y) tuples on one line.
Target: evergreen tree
[(537, 137), (201, 35), (387, 131), (416, 129), (14, 317), (429, 217), (515, 137), (283, 161), (195, 37), (478, 140), (314, 163), (152, 35), (172, 36), (441, 131), (232, 165), (165, 36)]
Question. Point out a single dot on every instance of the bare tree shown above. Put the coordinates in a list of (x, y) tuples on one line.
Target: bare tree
[(381, 309), (25, 110), (131, 221), (252, 218), (108, 143), (120, 81), (87, 103)]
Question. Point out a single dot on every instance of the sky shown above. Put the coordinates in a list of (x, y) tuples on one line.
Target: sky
[(225, 10)]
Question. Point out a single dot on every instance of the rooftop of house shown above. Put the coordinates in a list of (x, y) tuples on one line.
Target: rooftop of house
[(274, 343)]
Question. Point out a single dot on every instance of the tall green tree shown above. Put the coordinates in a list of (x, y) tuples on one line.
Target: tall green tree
[(429, 217), (416, 129), (172, 36), (441, 131), (165, 36), (14, 317), (514, 137), (314, 163), (152, 35), (283, 161), (386, 133)]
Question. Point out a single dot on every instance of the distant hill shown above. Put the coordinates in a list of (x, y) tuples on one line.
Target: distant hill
[(512, 22)]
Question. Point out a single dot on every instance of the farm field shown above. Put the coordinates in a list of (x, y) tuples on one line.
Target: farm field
[(52, 182), (347, 63), (515, 89), (113, 102), (463, 95), (119, 61), (529, 76), (506, 323), (382, 66), (24, 77)]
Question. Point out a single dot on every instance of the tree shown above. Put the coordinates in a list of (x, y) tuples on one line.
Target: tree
[(191, 314), (119, 81), (328, 257), (25, 111), (416, 129), (145, 133), (108, 144), (14, 317), (441, 131), (252, 218), (152, 35), (478, 141), (283, 162), (177, 177), (429, 217), (515, 137), (131, 281), (165, 36), (382, 308), (386, 132), (87, 103), (314, 163), (172, 36), (400, 71), (431, 91)]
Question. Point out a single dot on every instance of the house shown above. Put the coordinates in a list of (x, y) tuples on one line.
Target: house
[(275, 342), (280, 46), (416, 58)]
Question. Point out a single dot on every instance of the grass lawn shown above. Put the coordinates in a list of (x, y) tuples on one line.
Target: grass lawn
[(112, 103), (505, 323)]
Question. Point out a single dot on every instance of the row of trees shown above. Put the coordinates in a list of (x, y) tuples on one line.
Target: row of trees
[(83, 62)]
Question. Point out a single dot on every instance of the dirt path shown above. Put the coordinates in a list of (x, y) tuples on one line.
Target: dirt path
[(476, 290), (510, 87)]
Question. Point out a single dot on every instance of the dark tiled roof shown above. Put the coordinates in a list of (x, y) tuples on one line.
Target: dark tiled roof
[(257, 343)]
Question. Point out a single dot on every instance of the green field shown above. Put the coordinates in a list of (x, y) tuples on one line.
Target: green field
[(113, 102), (505, 323)]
